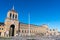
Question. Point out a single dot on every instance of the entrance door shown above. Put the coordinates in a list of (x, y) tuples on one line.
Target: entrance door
[(11, 32)]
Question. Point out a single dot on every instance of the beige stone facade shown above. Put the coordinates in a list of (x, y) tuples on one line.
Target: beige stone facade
[(52, 32), (34, 30), (12, 27)]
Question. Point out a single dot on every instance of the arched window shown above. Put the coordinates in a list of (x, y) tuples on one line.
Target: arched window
[(22, 31), (13, 16), (30, 31), (53, 29), (10, 15), (25, 31), (16, 16)]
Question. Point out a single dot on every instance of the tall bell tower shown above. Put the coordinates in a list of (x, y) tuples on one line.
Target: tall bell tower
[(11, 22), (12, 14)]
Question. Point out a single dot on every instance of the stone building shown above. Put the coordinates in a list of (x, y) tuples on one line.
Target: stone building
[(52, 32), (35, 30), (12, 27)]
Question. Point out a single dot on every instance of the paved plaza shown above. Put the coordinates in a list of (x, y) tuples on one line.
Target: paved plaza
[(32, 38)]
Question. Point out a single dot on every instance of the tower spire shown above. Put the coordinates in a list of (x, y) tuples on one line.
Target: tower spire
[(13, 7)]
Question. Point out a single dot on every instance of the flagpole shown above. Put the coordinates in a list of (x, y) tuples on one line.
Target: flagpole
[(29, 22)]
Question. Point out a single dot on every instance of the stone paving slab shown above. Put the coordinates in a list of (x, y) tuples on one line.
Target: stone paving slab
[(31, 38)]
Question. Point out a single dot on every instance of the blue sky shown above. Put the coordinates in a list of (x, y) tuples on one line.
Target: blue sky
[(41, 11)]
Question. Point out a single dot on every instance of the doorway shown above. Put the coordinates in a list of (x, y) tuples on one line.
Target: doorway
[(11, 32)]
